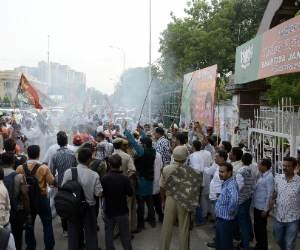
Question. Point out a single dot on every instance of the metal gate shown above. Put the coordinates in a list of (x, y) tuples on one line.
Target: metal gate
[(275, 133)]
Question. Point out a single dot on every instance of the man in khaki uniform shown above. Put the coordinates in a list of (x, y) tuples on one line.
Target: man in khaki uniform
[(127, 161), (177, 203)]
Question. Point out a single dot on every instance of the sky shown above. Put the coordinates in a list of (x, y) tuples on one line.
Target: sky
[(91, 36)]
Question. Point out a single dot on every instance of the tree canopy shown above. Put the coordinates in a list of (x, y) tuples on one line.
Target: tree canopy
[(209, 34)]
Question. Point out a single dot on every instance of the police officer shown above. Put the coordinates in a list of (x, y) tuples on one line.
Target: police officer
[(172, 207)]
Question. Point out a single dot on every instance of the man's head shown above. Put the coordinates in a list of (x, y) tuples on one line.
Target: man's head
[(264, 165), (77, 140), (118, 143), (8, 159), (85, 156), (33, 152), (235, 154), (10, 145), (225, 171), (180, 154), (181, 139), (247, 159), (115, 161), (147, 127), (226, 145), (159, 132), (221, 157), (210, 130), (197, 145), (100, 137), (62, 138), (289, 165)]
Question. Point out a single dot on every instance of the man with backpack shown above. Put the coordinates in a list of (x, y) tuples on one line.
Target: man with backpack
[(38, 177), (19, 201), (80, 215), (62, 160)]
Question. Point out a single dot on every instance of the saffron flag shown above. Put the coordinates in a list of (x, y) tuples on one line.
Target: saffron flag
[(29, 92)]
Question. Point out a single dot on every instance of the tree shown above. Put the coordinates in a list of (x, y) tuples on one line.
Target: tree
[(208, 35), (284, 86), (6, 99)]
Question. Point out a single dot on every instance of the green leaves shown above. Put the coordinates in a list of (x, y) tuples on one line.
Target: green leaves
[(284, 86), (209, 34)]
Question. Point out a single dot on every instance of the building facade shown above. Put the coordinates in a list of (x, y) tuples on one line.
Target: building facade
[(61, 80), (9, 81)]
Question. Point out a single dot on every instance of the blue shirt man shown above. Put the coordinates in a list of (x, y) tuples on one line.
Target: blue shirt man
[(226, 208), (261, 202)]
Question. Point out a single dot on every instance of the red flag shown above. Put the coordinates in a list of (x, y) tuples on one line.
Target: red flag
[(29, 92)]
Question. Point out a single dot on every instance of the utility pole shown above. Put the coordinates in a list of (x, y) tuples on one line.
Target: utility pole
[(150, 48)]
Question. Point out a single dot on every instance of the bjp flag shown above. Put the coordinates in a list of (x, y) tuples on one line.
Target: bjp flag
[(29, 92)]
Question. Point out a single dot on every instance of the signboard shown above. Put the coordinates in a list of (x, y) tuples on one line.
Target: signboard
[(198, 96), (276, 52)]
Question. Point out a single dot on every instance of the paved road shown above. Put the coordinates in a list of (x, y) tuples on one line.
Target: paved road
[(146, 240)]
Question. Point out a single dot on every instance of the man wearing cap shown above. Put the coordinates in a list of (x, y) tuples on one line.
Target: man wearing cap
[(180, 193), (127, 161)]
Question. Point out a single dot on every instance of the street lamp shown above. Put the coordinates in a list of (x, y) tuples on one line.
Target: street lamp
[(150, 59)]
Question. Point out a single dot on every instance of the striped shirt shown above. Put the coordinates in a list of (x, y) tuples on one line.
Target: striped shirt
[(162, 146), (228, 203), (62, 160)]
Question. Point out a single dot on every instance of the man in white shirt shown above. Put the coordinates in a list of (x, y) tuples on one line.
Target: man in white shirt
[(215, 186), (235, 157), (199, 160), (158, 165), (286, 203), (52, 150), (4, 202)]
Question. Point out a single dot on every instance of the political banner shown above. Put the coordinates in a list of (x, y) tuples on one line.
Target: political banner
[(198, 96), (275, 52)]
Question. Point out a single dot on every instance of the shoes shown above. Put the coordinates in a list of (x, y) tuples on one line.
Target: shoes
[(152, 224), (161, 219), (199, 224), (211, 245), (65, 234), (116, 236), (138, 230)]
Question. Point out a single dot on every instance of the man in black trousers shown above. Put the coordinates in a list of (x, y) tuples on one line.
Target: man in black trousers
[(116, 188)]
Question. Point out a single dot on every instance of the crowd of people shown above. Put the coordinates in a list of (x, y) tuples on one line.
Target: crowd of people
[(184, 178)]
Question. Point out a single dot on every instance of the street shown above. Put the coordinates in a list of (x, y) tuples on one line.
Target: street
[(146, 240)]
